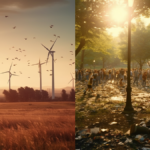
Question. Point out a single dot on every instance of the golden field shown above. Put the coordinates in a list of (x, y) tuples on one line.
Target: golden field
[(37, 126)]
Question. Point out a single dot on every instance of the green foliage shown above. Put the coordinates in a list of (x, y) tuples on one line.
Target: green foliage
[(92, 17), (140, 44), (104, 48)]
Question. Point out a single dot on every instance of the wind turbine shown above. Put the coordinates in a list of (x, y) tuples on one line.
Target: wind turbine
[(52, 54), (40, 64), (10, 74), (72, 81)]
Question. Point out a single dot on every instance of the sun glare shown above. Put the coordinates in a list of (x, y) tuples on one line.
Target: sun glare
[(118, 14)]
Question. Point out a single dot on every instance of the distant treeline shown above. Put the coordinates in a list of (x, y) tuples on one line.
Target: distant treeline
[(28, 94)]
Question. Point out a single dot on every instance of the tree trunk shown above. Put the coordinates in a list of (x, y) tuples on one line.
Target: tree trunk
[(82, 43), (82, 60)]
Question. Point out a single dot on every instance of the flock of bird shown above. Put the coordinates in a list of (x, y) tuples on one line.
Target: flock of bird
[(22, 52)]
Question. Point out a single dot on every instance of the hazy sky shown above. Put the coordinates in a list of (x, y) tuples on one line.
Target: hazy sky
[(33, 18), (116, 31)]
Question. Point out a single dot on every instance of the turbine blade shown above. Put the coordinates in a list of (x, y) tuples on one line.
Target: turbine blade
[(34, 64), (53, 44), (47, 58), (45, 47), (70, 81), (43, 63), (14, 74), (4, 72), (71, 75), (10, 67)]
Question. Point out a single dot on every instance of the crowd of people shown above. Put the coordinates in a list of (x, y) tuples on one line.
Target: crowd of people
[(119, 76)]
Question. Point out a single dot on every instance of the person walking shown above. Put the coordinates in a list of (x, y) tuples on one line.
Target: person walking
[(144, 77), (136, 76), (89, 85)]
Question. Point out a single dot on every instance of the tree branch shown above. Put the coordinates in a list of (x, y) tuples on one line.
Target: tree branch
[(82, 43)]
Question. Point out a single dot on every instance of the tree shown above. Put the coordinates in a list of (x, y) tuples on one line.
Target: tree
[(30, 94), (44, 94), (26, 94), (91, 17), (72, 95), (38, 95), (7, 96), (102, 44), (11, 95), (139, 44), (95, 16), (22, 94), (64, 95)]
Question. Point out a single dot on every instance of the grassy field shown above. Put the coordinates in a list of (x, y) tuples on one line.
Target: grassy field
[(37, 126)]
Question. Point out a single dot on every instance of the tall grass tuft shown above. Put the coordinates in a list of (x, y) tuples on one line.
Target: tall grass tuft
[(40, 129)]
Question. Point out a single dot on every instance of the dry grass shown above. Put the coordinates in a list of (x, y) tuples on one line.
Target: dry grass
[(34, 126)]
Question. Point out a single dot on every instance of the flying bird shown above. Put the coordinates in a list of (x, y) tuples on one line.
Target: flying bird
[(51, 26), (54, 34), (25, 38), (14, 27), (7, 58), (33, 37), (71, 44), (6, 16)]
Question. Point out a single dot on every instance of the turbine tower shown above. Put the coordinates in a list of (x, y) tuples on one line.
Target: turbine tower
[(10, 74), (72, 81), (40, 72), (52, 54)]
